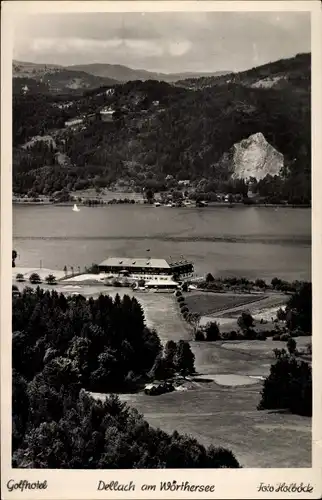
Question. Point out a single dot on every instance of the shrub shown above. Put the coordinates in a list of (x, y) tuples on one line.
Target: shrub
[(184, 358), (276, 282), (260, 283), (291, 346), (285, 337), (185, 316), (277, 328), (93, 269), (250, 334), (281, 314), (229, 335), (297, 332), (51, 279), (20, 277), (199, 336), (299, 308), (177, 293), (212, 331), (269, 333), (245, 321), (261, 336), (189, 317), (180, 299), (184, 310), (161, 369), (276, 337), (34, 278)]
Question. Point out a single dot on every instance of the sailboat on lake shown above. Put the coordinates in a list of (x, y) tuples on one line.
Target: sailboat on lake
[(75, 208)]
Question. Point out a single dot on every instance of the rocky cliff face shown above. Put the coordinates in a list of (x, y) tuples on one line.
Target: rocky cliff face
[(253, 157)]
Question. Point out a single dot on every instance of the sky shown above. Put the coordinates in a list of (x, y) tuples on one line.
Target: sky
[(167, 41)]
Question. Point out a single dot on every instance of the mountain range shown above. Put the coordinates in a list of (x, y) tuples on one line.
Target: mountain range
[(75, 79), (87, 76), (124, 73)]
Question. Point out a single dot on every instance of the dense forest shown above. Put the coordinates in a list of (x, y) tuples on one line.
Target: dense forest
[(107, 339), (160, 130), (65, 346)]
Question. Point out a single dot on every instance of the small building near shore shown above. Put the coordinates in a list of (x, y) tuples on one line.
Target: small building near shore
[(147, 268), (107, 115), (73, 122)]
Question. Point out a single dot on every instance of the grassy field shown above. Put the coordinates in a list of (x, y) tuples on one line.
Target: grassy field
[(209, 303), (263, 348), (227, 417)]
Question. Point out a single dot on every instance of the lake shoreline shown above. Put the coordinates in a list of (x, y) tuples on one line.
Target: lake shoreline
[(210, 205)]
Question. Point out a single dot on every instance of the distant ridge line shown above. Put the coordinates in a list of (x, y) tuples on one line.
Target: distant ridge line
[(121, 73), (274, 240)]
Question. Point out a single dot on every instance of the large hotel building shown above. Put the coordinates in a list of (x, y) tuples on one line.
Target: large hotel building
[(151, 269)]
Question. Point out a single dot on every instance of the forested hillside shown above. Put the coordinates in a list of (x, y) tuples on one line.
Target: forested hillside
[(160, 130), (61, 348), (284, 73)]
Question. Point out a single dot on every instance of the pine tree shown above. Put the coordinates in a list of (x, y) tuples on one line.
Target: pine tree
[(170, 352), (184, 358)]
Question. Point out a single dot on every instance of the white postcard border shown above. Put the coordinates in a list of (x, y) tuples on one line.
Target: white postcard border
[(229, 483)]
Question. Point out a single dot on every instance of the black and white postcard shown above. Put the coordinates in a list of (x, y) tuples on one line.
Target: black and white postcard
[(160, 206)]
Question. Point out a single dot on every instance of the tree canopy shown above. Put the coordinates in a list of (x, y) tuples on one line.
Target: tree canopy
[(289, 384), (65, 346), (106, 339)]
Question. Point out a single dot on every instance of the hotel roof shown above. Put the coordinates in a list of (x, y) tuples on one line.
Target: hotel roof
[(124, 262)]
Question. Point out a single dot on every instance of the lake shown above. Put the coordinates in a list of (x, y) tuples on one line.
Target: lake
[(244, 241)]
